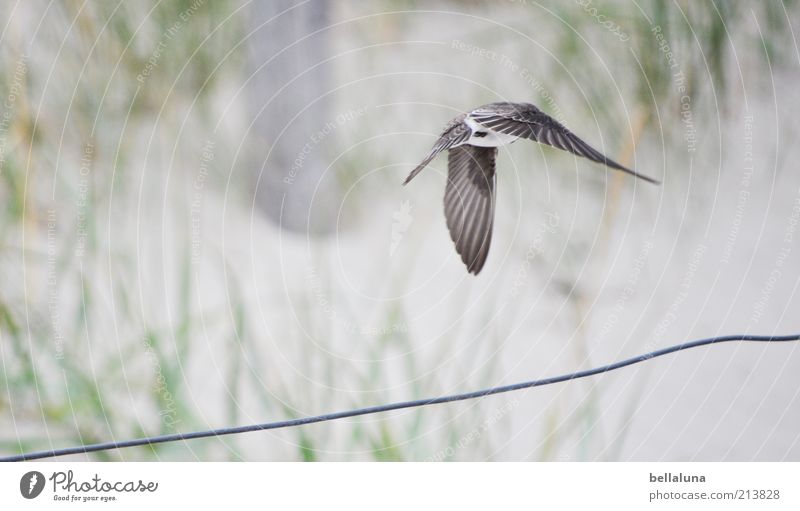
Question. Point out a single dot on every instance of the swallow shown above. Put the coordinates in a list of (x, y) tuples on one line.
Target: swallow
[(471, 140)]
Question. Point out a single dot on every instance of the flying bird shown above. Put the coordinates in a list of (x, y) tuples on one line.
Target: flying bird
[(471, 140)]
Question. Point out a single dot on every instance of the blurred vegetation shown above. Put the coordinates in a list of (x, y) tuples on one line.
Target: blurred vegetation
[(81, 101)]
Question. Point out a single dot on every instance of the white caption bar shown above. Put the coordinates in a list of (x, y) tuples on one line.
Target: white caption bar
[(402, 486)]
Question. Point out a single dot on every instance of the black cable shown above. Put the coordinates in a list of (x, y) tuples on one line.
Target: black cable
[(393, 406)]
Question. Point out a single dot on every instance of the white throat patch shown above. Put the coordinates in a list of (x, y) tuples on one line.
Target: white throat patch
[(491, 139)]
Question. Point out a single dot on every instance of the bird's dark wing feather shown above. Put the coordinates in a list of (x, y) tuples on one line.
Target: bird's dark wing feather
[(527, 121), (469, 202), (455, 133)]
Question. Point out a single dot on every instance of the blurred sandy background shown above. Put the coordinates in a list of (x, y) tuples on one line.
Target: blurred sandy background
[(203, 226)]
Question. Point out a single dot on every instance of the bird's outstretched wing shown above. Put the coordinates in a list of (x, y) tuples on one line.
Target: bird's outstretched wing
[(469, 202), (526, 120), (456, 132)]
